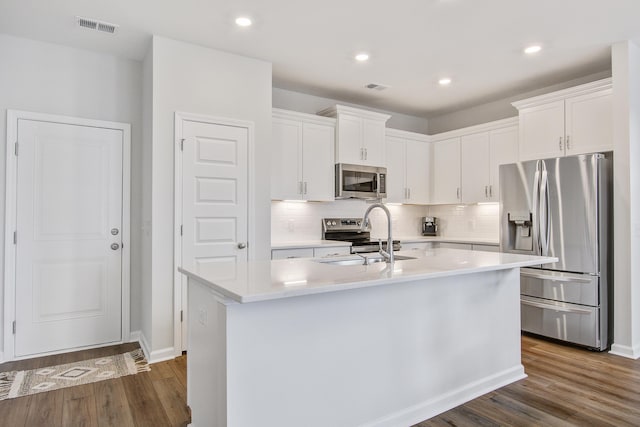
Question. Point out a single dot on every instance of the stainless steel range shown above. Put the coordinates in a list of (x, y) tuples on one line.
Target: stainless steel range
[(348, 230)]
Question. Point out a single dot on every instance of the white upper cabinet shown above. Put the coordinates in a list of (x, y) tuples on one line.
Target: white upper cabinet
[(360, 135), (503, 149), (572, 121), (466, 161), (302, 161), (446, 172), (475, 167), (408, 157)]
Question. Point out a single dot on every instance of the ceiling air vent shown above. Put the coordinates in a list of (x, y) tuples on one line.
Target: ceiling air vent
[(94, 24), (376, 86)]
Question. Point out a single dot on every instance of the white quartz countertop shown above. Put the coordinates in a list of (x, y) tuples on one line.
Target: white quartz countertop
[(268, 280), (308, 244), (471, 240)]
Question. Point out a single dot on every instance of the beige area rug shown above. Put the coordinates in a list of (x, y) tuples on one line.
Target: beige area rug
[(22, 383)]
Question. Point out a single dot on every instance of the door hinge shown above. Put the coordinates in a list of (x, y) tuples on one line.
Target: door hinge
[(15, 237), (181, 313), (181, 229), (16, 149), (182, 144), (14, 327)]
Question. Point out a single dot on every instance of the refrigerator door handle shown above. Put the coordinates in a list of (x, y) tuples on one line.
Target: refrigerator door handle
[(536, 210), (545, 212)]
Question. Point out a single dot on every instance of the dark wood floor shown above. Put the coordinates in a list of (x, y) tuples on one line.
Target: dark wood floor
[(566, 387)]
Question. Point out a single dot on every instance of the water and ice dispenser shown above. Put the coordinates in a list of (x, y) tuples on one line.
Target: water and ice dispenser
[(520, 235)]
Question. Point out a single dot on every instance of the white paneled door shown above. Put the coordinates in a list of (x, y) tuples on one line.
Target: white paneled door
[(69, 217), (214, 200)]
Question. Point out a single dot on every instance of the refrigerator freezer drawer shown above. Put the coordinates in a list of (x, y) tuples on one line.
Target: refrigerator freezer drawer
[(568, 322), (563, 287)]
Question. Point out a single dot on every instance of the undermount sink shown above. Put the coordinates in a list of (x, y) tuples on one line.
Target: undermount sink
[(360, 261)]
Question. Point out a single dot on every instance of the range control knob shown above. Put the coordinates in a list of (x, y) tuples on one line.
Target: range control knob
[(333, 223)]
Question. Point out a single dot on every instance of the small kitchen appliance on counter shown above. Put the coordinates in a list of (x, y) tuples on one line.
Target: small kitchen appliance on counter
[(348, 230), (429, 226)]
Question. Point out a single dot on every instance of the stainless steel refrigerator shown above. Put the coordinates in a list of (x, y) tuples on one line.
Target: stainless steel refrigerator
[(561, 208)]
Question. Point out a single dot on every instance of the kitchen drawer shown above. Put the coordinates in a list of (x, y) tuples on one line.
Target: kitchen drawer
[(486, 248), (416, 246), (564, 287), (291, 253), (334, 250), (450, 245), (569, 322)]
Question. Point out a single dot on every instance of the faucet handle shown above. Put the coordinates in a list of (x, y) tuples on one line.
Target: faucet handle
[(380, 244)]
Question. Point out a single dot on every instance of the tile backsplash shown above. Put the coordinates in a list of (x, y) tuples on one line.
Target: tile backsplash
[(291, 221)]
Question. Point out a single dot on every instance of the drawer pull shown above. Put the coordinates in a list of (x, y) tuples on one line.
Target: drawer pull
[(554, 307), (554, 278)]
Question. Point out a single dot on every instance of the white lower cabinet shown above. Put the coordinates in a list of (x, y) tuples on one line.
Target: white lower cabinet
[(312, 252), (416, 246), (291, 253)]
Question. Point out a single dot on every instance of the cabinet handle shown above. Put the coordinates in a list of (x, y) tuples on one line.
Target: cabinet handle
[(560, 144), (299, 187), (457, 192), (305, 187), (568, 143), (366, 154), (486, 191), (408, 193), (362, 154), (491, 191)]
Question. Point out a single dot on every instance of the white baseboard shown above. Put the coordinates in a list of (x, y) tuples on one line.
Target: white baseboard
[(156, 355), (440, 404), (625, 351)]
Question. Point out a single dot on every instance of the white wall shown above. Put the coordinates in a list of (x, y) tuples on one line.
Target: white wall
[(194, 79), (304, 103), (626, 201), (48, 78), (500, 109)]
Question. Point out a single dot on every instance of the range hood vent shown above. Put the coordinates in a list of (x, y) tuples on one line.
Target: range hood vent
[(94, 24)]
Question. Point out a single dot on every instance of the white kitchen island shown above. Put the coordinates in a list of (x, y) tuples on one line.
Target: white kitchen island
[(304, 343)]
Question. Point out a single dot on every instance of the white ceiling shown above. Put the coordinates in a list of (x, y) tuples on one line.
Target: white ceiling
[(412, 43)]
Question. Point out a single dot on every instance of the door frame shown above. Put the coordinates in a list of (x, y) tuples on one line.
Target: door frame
[(177, 202), (11, 194)]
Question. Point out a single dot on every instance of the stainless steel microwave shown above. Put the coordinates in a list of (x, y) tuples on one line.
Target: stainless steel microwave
[(360, 182)]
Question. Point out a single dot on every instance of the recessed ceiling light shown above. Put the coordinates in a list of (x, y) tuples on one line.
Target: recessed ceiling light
[(362, 57), (445, 81), (243, 21), (533, 49)]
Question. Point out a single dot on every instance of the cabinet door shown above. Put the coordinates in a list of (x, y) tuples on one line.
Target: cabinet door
[(475, 167), (349, 133), (446, 171), (373, 138), (542, 131), (318, 162), (589, 123), (418, 168), (396, 155), (503, 149), (286, 176)]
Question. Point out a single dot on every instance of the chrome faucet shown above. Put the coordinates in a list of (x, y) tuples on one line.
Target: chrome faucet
[(388, 254)]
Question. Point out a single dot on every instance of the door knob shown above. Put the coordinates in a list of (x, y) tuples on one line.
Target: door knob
[(242, 245), (115, 246), (114, 231)]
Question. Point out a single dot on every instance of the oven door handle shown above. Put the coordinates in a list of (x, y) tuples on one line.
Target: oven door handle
[(554, 278)]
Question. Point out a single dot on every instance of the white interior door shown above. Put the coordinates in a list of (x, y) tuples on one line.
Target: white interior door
[(69, 215), (214, 200)]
